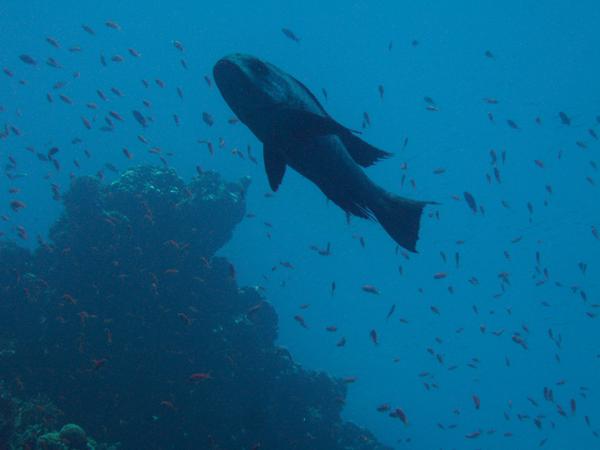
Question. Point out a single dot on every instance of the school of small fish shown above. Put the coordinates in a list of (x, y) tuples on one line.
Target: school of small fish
[(104, 109)]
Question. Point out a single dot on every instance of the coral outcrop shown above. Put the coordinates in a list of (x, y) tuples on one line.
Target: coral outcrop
[(128, 321)]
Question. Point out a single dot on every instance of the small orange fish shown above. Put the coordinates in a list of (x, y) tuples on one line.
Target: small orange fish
[(17, 205), (116, 115), (69, 298), (111, 24), (22, 232), (400, 414), (369, 288), (373, 335), (184, 318), (97, 363), (208, 119), (66, 99), (254, 308), (512, 124), (178, 45), (109, 337), (476, 401), (168, 404), (301, 321), (200, 376)]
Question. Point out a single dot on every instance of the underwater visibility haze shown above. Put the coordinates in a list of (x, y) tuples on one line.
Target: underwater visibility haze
[(167, 283)]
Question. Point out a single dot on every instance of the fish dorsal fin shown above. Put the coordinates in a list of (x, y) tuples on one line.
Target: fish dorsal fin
[(363, 153), (301, 124), (274, 165)]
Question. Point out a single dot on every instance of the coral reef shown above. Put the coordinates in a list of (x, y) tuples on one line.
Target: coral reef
[(128, 321), (30, 424)]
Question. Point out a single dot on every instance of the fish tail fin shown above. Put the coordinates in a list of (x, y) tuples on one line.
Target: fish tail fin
[(400, 217)]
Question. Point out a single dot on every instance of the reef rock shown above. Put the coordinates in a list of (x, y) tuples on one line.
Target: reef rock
[(128, 321)]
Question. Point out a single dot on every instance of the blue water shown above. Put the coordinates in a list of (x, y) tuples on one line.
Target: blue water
[(545, 61)]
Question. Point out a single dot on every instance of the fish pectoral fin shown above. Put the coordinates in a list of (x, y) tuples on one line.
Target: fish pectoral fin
[(274, 165)]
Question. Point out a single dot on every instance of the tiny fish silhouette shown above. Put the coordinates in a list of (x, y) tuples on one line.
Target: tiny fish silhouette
[(471, 201), (290, 34)]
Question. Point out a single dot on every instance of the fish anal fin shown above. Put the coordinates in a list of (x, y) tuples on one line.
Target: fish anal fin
[(274, 165)]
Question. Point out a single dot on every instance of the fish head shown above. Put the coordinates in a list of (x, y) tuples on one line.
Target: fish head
[(252, 88)]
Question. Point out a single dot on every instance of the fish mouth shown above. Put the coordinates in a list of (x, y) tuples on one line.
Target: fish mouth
[(228, 75), (237, 87), (223, 64), (227, 68), (242, 87), (234, 67)]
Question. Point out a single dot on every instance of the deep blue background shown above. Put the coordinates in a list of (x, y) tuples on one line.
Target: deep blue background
[(546, 61)]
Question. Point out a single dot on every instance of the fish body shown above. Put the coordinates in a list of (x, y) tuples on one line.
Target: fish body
[(28, 60), (296, 131), (139, 117), (290, 34)]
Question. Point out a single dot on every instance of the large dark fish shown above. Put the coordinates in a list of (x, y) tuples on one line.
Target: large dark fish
[(296, 131)]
